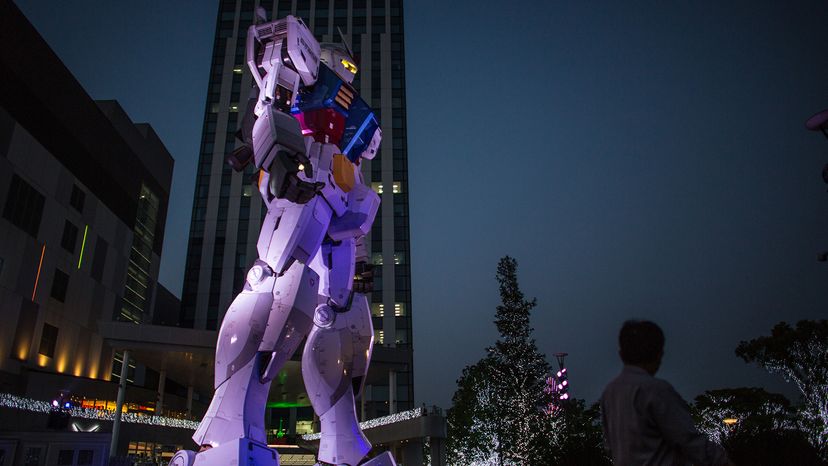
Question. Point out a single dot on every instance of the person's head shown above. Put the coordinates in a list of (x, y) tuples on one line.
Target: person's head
[(641, 343)]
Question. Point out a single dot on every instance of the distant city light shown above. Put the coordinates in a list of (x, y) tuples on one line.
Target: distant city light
[(380, 421), (28, 404)]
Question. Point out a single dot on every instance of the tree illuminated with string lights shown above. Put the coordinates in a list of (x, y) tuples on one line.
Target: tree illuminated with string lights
[(800, 355)]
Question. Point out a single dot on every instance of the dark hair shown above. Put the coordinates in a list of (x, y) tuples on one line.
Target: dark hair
[(640, 341)]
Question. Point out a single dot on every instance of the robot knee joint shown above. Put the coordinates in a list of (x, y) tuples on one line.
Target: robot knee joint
[(324, 316), (258, 274)]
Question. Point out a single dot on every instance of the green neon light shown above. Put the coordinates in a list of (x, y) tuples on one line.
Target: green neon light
[(83, 245), (286, 404)]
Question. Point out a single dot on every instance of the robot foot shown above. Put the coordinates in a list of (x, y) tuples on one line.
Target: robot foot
[(385, 459), (183, 458), (239, 451)]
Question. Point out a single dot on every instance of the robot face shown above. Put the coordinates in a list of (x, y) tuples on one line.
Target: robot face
[(337, 58)]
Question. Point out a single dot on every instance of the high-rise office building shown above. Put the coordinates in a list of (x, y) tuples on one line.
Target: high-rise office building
[(228, 212)]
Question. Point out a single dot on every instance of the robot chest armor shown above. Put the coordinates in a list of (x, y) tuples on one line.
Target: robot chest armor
[(325, 125), (322, 110)]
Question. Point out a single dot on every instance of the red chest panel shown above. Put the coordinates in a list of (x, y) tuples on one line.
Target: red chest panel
[(325, 125)]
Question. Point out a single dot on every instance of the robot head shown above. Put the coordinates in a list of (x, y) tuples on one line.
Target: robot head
[(339, 59)]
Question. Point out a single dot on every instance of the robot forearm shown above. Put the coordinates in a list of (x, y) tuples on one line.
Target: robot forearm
[(276, 144)]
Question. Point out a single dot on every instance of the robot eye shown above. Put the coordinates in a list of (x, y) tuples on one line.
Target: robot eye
[(349, 66)]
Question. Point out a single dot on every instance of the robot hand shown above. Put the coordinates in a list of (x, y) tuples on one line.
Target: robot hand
[(240, 157), (284, 178)]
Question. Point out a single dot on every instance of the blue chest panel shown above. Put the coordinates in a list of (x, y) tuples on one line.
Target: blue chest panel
[(330, 92)]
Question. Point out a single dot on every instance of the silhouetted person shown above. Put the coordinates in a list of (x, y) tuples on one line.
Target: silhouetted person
[(645, 421)]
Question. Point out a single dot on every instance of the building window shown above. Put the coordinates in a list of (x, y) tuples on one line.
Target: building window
[(377, 309), (48, 341), (32, 456), (70, 236), (399, 309), (99, 261), (138, 284), (65, 457), (59, 285), (77, 198), (24, 206), (117, 364)]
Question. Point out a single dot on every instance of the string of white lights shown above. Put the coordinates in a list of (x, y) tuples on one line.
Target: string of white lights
[(27, 404), (380, 421)]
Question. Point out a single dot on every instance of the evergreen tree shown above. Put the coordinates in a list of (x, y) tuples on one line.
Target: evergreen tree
[(519, 372), (495, 417)]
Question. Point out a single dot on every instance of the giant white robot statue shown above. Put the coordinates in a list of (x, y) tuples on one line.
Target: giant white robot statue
[(306, 131)]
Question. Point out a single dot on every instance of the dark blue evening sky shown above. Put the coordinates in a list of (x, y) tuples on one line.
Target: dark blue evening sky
[(639, 160)]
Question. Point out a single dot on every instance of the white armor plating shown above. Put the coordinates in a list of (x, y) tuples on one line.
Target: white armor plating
[(303, 52), (301, 284)]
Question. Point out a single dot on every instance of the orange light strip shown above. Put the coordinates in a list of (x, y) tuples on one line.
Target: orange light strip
[(37, 279)]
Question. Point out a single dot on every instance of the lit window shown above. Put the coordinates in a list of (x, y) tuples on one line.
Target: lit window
[(376, 258), (377, 310), (234, 107), (396, 187), (399, 309), (377, 187), (380, 337), (247, 190), (237, 70), (304, 427)]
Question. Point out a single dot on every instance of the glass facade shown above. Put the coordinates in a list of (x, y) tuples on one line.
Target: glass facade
[(227, 210), (138, 288)]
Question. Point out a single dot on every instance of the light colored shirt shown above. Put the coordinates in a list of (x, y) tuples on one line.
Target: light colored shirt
[(647, 423)]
